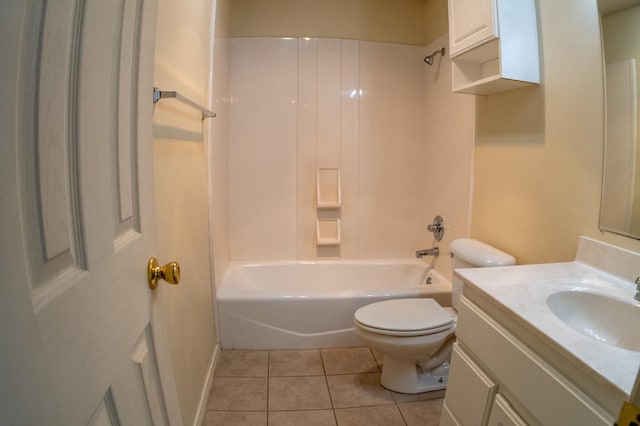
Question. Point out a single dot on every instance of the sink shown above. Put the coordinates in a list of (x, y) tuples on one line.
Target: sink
[(606, 319)]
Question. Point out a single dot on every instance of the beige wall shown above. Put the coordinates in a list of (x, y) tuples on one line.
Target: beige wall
[(181, 197), (435, 20), (396, 21), (538, 162)]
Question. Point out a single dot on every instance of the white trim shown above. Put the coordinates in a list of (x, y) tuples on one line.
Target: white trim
[(204, 397)]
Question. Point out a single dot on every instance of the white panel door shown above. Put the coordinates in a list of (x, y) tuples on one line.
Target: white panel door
[(79, 342)]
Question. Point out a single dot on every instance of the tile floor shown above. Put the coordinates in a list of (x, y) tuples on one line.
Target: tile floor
[(338, 386)]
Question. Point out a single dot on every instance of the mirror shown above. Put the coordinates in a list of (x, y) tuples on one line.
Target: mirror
[(620, 203)]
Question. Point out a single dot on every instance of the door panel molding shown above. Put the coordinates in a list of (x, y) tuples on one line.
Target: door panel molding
[(127, 214), (48, 154)]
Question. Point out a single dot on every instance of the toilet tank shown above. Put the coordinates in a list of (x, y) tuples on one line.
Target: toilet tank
[(469, 253)]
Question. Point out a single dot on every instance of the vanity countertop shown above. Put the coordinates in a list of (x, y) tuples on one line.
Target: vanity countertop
[(521, 291)]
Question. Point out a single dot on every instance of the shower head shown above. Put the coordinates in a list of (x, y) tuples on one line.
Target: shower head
[(429, 59)]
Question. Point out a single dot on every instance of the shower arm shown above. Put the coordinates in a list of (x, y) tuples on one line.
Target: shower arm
[(429, 59)]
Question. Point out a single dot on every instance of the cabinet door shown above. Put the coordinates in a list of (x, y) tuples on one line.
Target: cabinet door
[(550, 397), (446, 418), (471, 22), (469, 391), (502, 414)]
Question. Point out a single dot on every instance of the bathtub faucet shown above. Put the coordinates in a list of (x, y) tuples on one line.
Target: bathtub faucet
[(435, 251)]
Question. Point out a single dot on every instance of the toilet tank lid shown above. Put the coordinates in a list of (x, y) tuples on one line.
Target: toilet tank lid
[(480, 254)]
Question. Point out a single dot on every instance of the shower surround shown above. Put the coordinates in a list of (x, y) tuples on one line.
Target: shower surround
[(302, 104)]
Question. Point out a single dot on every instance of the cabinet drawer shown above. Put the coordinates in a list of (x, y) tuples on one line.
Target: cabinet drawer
[(503, 415), (548, 395), (470, 391)]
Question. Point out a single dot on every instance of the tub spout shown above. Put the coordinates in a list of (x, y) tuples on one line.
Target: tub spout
[(435, 251)]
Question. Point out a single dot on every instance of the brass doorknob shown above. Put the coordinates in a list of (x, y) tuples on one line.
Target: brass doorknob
[(169, 272)]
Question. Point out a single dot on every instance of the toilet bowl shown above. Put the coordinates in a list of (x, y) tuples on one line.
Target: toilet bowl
[(407, 331), (416, 335)]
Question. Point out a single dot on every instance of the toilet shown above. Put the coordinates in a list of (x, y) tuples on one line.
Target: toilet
[(416, 335)]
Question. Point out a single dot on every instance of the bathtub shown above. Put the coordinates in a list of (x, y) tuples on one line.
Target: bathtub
[(296, 305)]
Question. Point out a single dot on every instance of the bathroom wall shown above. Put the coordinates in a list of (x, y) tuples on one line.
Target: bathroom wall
[(538, 163), (447, 167), (219, 142), (181, 197), (435, 20), (399, 21), (301, 104)]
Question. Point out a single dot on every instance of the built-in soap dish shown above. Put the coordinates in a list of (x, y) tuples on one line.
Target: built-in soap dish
[(328, 192), (328, 232)]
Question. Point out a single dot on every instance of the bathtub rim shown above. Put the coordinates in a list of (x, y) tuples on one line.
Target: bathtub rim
[(441, 283)]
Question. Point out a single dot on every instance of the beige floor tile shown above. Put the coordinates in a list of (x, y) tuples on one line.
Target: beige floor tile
[(422, 413), (295, 363), (239, 363), (403, 397), (298, 393), (235, 418), (358, 390), (348, 361), (381, 415), (238, 394), (297, 418)]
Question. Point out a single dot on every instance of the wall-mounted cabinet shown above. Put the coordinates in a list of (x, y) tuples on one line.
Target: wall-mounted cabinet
[(493, 45), (471, 23)]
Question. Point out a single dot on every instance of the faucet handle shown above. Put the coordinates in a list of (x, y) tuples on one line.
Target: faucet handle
[(637, 281), (437, 227)]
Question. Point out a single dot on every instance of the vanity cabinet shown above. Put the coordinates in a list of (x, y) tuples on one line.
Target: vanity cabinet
[(497, 379), (502, 414), (476, 390), (493, 45)]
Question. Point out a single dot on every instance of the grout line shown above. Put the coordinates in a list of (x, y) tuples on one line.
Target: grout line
[(326, 381), (401, 415), (268, 383), (324, 369), (375, 360)]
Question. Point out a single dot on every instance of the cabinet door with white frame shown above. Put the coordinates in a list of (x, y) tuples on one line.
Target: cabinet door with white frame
[(471, 23)]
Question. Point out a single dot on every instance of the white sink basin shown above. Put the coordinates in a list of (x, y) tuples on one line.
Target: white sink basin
[(606, 319)]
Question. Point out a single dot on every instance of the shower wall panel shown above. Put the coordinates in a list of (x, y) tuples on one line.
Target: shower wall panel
[(300, 104), (263, 148)]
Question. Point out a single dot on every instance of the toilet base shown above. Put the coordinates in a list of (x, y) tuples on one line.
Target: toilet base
[(404, 376)]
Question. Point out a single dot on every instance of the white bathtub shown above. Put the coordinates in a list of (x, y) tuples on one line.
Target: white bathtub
[(279, 305)]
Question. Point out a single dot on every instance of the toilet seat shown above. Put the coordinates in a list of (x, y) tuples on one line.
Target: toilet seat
[(404, 317)]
